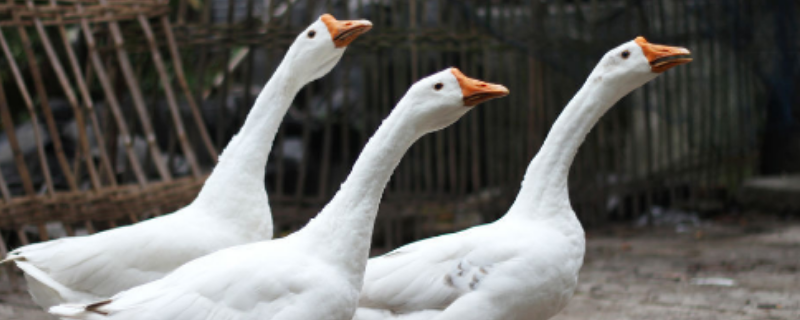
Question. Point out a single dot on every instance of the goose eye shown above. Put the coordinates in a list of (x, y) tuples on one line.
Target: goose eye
[(626, 54), (311, 34), (438, 86)]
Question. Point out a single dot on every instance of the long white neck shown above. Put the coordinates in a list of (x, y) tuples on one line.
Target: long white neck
[(342, 232), (544, 194), (236, 186)]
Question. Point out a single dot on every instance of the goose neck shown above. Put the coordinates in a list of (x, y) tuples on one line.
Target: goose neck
[(237, 181), (342, 231), (544, 193)]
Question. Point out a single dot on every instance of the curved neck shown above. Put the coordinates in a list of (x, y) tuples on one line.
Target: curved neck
[(342, 232), (544, 193), (241, 168)]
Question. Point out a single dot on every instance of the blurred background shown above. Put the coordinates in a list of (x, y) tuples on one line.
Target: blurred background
[(114, 111)]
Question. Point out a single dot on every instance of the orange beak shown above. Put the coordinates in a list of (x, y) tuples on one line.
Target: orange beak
[(345, 31), (663, 58), (476, 91)]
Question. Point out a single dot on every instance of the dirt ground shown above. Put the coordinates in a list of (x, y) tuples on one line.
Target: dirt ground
[(732, 271)]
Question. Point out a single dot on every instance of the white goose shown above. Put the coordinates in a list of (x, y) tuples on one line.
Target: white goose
[(525, 265), (231, 209), (317, 272)]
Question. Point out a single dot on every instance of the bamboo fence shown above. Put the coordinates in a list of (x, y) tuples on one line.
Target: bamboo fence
[(156, 89)]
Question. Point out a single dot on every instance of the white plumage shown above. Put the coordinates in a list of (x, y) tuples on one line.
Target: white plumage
[(478, 273), (255, 281), (82, 268), (317, 272), (231, 209), (525, 265)]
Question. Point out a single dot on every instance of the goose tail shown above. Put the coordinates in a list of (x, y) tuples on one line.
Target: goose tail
[(10, 258), (48, 292), (80, 311)]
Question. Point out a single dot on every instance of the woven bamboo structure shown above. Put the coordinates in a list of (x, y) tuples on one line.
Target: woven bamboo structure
[(92, 190), (156, 89)]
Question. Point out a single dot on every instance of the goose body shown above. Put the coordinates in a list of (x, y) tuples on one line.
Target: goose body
[(525, 265), (469, 273), (316, 272), (81, 269), (231, 209), (263, 280)]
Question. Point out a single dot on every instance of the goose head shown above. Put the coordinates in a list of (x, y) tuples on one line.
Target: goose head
[(439, 100), (636, 62), (321, 45)]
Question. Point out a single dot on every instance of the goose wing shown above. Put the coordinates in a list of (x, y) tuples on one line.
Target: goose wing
[(80, 269), (425, 275), (247, 282)]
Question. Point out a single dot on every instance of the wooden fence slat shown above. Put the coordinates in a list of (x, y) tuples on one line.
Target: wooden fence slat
[(4, 192), (62, 78), (344, 120), (8, 125), (300, 180), (79, 114), (327, 132), (399, 66), (202, 61), (172, 102), (225, 86), (138, 99), (177, 63), (247, 70), (113, 103), (41, 92), (280, 176)]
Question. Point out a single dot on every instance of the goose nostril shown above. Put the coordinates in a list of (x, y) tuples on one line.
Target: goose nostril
[(348, 24)]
